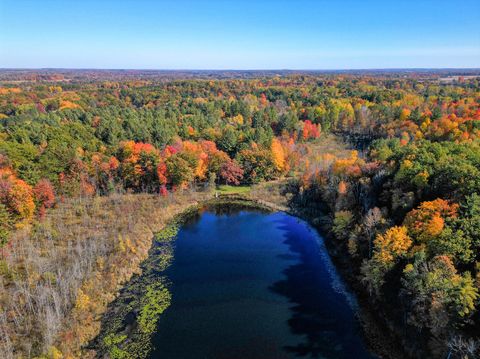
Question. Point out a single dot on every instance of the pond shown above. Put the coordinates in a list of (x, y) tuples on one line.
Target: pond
[(246, 283)]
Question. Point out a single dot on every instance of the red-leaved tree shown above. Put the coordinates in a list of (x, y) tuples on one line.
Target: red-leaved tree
[(231, 172), (44, 195)]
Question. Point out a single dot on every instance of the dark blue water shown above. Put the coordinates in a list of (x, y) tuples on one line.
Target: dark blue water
[(249, 285)]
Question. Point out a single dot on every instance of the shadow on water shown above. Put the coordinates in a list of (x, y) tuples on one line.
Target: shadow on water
[(231, 209), (322, 310)]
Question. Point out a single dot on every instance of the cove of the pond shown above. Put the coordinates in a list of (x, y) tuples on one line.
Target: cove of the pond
[(248, 283)]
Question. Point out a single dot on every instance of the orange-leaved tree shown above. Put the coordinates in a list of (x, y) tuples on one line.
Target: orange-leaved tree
[(16, 195), (428, 220)]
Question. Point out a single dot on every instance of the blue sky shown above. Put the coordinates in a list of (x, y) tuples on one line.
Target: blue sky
[(262, 34)]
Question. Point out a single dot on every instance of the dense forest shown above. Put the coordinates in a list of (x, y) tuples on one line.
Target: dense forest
[(402, 207)]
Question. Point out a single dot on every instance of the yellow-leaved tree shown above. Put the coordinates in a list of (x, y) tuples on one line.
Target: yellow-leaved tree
[(278, 154), (391, 245)]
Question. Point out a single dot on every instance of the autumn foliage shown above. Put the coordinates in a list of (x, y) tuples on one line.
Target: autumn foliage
[(394, 243), (44, 194), (16, 195), (397, 190), (428, 220), (310, 130)]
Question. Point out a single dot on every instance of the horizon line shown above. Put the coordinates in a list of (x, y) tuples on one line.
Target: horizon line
[(237, 69)]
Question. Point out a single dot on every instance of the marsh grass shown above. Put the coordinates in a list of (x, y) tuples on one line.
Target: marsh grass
[(57, 276)]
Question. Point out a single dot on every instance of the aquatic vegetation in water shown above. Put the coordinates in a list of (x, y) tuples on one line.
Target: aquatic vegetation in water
[(112, 341), (127, 330), (168, 233), (155, 301)]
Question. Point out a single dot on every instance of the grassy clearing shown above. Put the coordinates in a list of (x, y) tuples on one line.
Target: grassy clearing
[(226, 189)]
